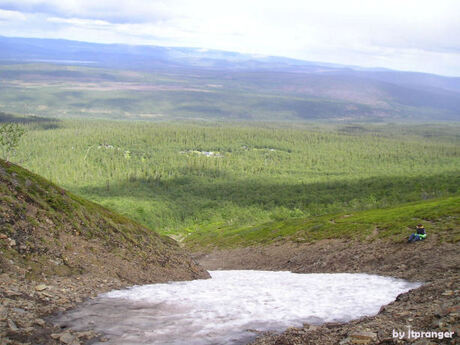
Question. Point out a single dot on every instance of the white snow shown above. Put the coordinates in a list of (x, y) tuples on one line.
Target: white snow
[(233, 306)]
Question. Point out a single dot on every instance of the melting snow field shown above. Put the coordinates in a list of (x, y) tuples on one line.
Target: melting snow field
[(232, 307)]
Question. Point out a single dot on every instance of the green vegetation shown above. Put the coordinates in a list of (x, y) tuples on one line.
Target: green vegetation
[(164, 175), (10, 134), (441, 217)]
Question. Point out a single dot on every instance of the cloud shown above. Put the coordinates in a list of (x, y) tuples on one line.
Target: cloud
[(79, 22), (6, 15), (115, 11), (391, 33)]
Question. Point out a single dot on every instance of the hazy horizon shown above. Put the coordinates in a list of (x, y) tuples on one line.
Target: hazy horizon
[(227, 51), (419, 36)]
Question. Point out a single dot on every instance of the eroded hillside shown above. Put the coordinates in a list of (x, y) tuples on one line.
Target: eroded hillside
[(57, 249)]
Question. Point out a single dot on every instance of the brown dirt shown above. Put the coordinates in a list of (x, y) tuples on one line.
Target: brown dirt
[(433, 307)]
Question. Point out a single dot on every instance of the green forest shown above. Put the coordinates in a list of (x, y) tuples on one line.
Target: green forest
[(179, 178)]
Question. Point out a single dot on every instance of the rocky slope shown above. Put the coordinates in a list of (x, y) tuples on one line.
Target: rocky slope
[(57, 249)]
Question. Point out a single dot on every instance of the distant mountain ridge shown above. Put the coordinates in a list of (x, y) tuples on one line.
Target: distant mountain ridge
[(123, 55), (314, 90), (41, 49)]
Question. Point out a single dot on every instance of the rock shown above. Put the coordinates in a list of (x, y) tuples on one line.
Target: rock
[(12, 325), (86, 334), (68, 338), (402, 314), (312, 328), (28, 330), (12, 293), (55, 335), (3, 313), (448, 293), (39, 322), (363, 337), (12, 242), (3, 236), (19, 310), (41, 287)]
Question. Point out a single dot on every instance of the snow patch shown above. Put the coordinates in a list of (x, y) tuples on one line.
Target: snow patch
[(232, 307)]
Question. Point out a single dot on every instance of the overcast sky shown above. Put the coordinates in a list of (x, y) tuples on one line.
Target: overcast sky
[(418, 35)]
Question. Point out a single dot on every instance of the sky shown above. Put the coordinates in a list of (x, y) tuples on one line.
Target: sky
[(417, 35)]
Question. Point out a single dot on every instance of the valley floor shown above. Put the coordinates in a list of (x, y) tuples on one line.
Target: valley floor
[(433, 307)]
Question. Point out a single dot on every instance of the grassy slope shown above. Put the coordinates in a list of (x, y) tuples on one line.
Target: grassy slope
[(63, 206), (48, 224), (440, 216)]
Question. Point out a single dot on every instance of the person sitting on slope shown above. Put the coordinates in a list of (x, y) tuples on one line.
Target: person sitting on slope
[(419, 235)]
